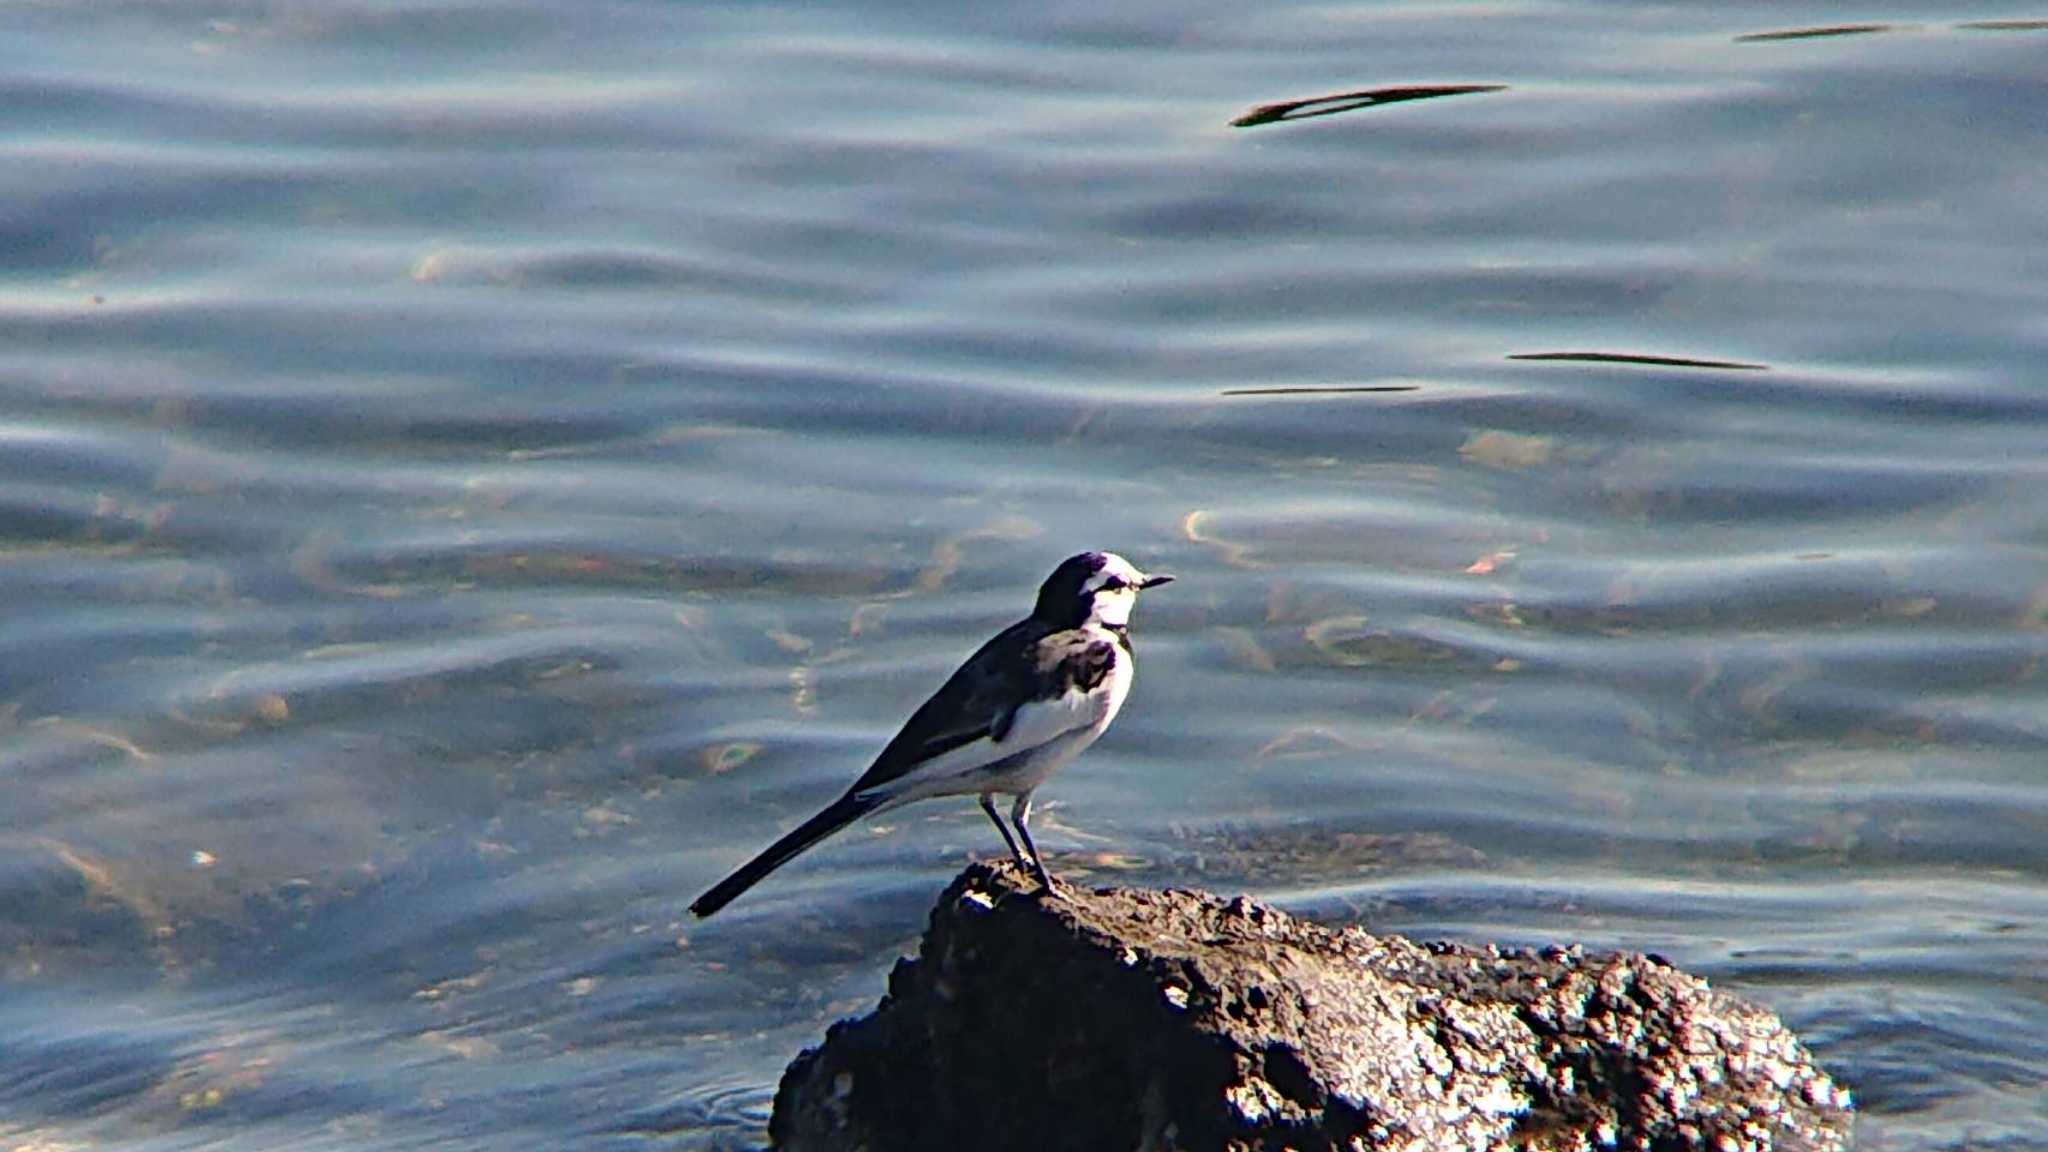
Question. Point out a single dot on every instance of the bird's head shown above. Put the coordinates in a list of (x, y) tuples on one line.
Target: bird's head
[(1092, 588)]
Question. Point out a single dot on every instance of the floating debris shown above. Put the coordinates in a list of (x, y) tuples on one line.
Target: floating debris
[(1352, 101), (1314, 390), (1815, 33), (1641, 358)]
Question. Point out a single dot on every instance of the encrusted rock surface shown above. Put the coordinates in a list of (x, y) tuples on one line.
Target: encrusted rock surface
[(1148, 1020)]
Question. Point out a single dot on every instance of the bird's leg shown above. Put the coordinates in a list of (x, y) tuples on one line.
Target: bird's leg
[(988, 805), (1020, 812)]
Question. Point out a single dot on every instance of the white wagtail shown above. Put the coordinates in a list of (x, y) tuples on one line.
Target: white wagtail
[(1029, 701)]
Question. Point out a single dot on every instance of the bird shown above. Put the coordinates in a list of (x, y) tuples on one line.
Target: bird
[(1027, 702)]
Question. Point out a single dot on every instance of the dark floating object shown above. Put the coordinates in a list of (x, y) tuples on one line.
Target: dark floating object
[(1814, 33), (1351, 101), (2006, 25), (1633, 358), (1312, 390)]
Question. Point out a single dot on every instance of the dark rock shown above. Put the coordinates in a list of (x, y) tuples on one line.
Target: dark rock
[(1131, 1019)]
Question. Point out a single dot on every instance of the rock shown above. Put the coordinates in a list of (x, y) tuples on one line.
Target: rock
[(1133, 1019)]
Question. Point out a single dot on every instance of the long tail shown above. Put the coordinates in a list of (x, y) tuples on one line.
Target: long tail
[(843, 811)]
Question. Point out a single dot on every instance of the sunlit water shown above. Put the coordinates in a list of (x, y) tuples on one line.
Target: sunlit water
[(472, 473)]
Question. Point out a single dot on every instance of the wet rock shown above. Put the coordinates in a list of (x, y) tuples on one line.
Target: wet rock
[(1133, 1019)]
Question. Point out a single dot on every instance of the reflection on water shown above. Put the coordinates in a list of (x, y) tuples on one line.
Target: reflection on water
[(468, 477)]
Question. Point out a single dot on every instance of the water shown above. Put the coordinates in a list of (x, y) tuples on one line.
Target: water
[(472, 473)]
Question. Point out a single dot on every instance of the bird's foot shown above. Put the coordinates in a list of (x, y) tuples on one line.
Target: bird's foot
[(1045, 880), (1030, 866)]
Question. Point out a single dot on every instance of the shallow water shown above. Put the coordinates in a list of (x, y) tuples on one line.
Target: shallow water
[(472, 473)]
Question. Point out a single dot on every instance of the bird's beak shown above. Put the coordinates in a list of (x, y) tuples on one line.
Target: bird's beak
[(1155, 581)]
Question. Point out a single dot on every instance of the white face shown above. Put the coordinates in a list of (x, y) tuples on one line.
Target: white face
[(1113, 591)]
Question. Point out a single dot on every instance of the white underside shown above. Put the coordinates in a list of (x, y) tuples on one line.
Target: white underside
[(1042, 738)]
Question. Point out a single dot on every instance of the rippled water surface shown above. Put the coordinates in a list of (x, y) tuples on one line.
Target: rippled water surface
[(470, 473)]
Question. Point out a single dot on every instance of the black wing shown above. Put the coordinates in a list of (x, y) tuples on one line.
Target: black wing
[(976, 702)]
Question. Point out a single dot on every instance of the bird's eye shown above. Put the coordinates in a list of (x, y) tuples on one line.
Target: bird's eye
[(1115, 584)]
